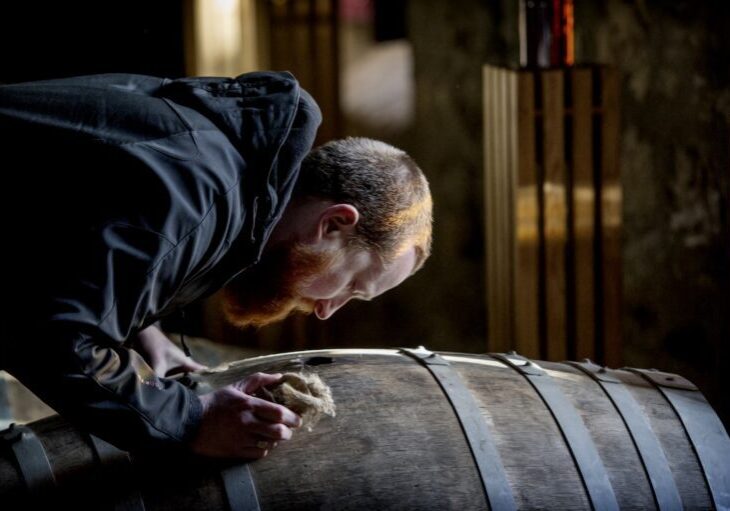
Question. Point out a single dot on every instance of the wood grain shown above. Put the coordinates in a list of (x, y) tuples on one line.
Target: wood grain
[(553, 212), (610, 218), (527, 218), (394, 444), (556, 210), (583, 209)]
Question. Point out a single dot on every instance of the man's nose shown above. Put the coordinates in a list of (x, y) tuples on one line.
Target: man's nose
[(325, 308)]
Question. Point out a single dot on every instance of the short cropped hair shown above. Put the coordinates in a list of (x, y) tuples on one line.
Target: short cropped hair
[(385, 185)]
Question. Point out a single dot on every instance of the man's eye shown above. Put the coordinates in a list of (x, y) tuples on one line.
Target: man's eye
[(356, 293)]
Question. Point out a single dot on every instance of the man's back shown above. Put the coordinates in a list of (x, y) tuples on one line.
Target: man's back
[(123, 204)]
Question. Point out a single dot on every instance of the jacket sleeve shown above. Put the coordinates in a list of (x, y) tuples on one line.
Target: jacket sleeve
[(135, 83), (75, 358), (116, 108)]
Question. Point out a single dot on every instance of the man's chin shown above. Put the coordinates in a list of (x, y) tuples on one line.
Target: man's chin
[(270, 291)]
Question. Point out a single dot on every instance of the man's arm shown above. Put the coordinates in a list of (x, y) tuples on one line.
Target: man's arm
[(74, 357), (75, 360), (137, 245), (165, 357), (235, 421)]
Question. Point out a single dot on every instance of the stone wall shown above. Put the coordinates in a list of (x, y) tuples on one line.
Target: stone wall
[(675, 164)]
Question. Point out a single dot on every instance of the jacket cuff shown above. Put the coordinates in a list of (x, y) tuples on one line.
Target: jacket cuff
[(191, 425)]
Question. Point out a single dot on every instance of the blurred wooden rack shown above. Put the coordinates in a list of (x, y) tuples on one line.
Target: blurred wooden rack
[(551, 144)]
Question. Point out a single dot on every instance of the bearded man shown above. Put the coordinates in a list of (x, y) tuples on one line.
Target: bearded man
[(129, 197)]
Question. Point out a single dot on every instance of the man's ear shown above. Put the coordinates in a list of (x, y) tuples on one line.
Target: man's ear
[(336, 221)]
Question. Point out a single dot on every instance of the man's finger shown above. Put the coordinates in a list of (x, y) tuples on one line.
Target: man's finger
[(254, 382), (271, 431), (273, 412)]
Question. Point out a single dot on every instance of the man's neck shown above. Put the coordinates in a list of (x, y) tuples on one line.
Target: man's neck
[(298, 222)]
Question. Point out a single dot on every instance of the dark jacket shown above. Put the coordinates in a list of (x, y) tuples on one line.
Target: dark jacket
[(127, 197)]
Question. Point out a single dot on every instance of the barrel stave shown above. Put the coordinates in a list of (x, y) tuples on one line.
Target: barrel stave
[(682, 459), (529, 442), (177, 483), (609, 434), (395, 444), (68, 450)]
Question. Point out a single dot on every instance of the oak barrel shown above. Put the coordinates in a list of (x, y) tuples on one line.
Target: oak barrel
[(417, 430)]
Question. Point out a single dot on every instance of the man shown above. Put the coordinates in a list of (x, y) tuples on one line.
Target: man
[(128, 197)]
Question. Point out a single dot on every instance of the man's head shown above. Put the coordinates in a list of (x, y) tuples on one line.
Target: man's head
[(359, 223)]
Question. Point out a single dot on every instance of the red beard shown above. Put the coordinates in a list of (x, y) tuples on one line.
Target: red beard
[(269, 291)]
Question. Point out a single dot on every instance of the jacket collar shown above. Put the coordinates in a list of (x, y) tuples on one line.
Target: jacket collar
[(272, 122)]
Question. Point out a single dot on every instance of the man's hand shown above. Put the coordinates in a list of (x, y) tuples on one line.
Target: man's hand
[(163, 355), (236, 424)]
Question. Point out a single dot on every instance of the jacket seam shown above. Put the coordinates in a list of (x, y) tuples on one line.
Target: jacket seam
[(156, 139), (144, 229), (170, 105), (183, 239), (248, 84)]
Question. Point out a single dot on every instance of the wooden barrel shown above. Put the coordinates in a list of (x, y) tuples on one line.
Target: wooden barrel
[(418, 430)]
